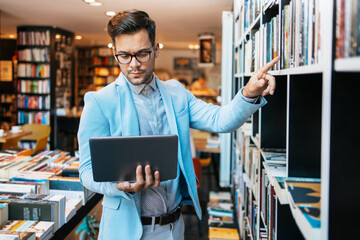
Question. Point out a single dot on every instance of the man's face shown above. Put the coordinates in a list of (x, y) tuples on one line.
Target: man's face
[(136, 72)]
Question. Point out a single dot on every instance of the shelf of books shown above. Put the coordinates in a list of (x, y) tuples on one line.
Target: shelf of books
[(95, 65), (105, 67), (288, 154), (220, 209), (33, 78), (44, 74), (41, 195)]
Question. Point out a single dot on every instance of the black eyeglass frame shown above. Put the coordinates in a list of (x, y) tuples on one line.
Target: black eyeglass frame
[(134, 55)]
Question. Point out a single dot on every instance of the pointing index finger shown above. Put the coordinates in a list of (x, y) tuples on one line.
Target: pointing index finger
[(269, 65)]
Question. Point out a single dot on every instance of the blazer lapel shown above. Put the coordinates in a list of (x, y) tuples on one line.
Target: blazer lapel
[(128, 115)]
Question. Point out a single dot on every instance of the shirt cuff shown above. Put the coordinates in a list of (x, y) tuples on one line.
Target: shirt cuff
[(249, 100)]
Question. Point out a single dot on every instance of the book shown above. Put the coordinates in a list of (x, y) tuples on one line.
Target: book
[(221, 221), (4, 213), (275, 157), (9, 235), (220, 209), (304, 201), (223, 233), (219, 197), (40, 229), (36, 210), (59, 202)]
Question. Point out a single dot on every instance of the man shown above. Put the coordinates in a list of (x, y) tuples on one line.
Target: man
[(138, 103)]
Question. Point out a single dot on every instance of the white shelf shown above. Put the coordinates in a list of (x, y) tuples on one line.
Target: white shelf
[(281, 193), (303, 223), (277, 171), (248, 74), (270, 4), (238, 75), (347, 64), (309, 69)]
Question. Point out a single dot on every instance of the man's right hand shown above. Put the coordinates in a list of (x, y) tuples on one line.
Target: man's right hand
[(141, 184)]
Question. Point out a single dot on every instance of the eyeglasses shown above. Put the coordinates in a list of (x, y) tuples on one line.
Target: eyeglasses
[(141, 56)]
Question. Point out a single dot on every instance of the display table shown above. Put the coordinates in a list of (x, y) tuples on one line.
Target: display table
[(10, 139)]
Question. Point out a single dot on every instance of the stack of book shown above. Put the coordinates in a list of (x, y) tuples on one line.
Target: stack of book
[(221, 218), (38, 192), (38, 230)]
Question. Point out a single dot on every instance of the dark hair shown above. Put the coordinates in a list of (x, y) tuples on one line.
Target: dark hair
[(131, 21)]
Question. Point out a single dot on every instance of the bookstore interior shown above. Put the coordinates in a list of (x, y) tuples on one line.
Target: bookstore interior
[(286, 173)]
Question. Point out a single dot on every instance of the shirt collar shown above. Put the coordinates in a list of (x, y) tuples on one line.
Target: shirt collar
[(139, 88)]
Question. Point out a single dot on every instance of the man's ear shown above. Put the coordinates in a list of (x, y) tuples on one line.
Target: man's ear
[(113, 51), (156, 49)]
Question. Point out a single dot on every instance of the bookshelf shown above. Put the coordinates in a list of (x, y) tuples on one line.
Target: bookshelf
[(105, 67), (84, 73), (45, 75), (95, 65), (7, 91), (310, 119)]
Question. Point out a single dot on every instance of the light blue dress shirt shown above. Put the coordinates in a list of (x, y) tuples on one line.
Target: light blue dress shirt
[(153, 121)]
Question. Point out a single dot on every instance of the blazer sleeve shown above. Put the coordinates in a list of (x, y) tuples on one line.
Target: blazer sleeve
[(93, 124), (228, 118)]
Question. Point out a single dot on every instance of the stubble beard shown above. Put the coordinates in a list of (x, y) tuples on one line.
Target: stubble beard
[(139, 81)]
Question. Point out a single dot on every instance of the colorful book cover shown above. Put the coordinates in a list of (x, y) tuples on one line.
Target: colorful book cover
[(223, 233)]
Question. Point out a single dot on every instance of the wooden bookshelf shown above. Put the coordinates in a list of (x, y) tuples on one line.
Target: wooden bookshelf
[(95, 65), (45, 75), (311, 116), (84, 73), (105, 67)]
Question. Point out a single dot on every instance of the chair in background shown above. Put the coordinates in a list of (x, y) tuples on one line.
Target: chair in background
[(197, 168), (39, 135)]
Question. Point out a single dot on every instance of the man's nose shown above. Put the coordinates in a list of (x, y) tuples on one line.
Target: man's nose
[(134, 62)]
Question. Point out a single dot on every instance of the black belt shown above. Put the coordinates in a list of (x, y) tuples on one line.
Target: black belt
[(163, 219)]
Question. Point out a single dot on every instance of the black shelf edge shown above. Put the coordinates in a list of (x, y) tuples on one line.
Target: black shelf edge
[(34, 62), (33, 46), (33, 78), (32, 110), (36, 94)]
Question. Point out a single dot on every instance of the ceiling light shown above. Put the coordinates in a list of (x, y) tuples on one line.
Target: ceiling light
[(110, 45), (110, 13), (95, 4), (12, 36), (191, 46), (196, 46), (78, 37), (57, 36), (161, 45), (89, 1)]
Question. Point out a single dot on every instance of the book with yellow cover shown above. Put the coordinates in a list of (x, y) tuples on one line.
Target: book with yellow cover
[(223, 233)]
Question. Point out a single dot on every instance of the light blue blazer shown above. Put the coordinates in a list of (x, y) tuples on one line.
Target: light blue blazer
[(111, 112)]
